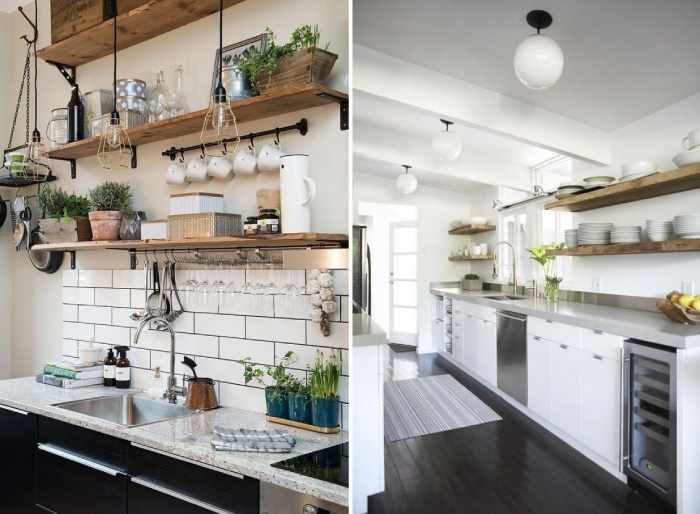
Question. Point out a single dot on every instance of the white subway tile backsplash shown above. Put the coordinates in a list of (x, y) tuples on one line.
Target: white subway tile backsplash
[(113, 297), (70, 312), (184, 323), (70, 278), (116, 336), (193, 344), (337, 339), (152, 339), (162, 360), (248, 304), (95, 278), (138, 299), (120, 317), (139, 357), (82, 331), (220, 370), (129, 279), (91, 314), (260, 352), (276, 329), (345, 309), (75, 295), (69, 347), (280, 278), (345, 356), (340, 281), (219, 325), (344, 390), (242, 397), (287, 306), (305, 354)]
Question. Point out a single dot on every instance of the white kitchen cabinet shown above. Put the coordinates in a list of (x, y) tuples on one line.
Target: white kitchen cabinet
[(486, 355), (538, 380), (565, 382), (600, 406), (470, 335), (457, 335)]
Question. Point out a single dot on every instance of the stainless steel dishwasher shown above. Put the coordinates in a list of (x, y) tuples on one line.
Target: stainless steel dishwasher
[(512, 354)]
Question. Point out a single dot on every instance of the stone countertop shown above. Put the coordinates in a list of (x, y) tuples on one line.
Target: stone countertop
[(186, 437), (638, 324), (366, 332)]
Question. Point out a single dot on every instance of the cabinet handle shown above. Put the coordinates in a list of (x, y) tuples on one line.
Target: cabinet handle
[(58, 452), (537, 338), (180, 496), (188, 461), (599, 332), (564, 346), (598, 357), (11, 409), (548, 321)]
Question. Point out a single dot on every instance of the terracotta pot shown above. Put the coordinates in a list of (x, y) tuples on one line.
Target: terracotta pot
[(105, 225)]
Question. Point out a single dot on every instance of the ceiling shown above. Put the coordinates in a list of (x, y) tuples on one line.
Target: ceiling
[(624, 59)]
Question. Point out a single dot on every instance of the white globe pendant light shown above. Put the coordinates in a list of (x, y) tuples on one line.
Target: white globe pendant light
[(538, 60), (406, 183), (447, 145)]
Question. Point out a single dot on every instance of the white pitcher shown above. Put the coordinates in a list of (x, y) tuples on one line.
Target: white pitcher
[(297, 191)]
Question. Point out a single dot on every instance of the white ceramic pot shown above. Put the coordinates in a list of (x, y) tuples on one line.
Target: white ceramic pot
[(197, 169), (245, 162), (176, 174), (269, 158), (297, 191), (692, 140), (219, 167)]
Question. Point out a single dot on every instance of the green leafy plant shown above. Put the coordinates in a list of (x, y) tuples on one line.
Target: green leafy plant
[(306, 36), (541, 255), (56, 203), (471, 276), (282, 379), (325, 376), (110, 196), (76, 205)]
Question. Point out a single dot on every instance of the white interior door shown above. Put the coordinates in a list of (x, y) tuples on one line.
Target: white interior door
[(403, 283)]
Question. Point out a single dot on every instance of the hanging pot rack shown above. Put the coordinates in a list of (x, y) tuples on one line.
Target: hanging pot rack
[(302, 126)]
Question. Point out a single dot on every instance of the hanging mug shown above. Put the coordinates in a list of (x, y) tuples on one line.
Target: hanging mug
[(197, 169), (245, 162), (219, 167), (176, 174), (297, 191), (269, 157)]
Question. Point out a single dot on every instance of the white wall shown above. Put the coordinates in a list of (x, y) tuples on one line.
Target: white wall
[(5, 236), (658, 137), (37, 296), (435, 209)]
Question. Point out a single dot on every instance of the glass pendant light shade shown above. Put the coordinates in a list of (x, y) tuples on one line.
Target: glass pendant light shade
[(446, 144), (538, 61), (406, 183)]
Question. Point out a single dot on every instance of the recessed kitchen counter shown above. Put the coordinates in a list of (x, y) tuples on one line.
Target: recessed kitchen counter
[(186, 437), (644, 325)]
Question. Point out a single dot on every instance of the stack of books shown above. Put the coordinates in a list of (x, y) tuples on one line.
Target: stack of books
[(70, 375)]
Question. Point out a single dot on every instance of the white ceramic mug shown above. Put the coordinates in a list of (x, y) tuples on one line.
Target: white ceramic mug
[(197, 169), (245, 162), (219, 167), (176, 174), (692, 140), (269, 158)]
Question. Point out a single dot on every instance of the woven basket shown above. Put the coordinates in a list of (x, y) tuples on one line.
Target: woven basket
[(677, 313), (210, 224)]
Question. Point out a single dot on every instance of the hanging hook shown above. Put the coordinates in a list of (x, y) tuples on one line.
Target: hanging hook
[(182, 154), (225, 149), (201, 147), (34, 29), (252, 143), (277, 136)]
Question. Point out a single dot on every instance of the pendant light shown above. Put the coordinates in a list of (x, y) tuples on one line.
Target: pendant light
[(115, 148), (447, 145), (37, 152), (220, 125), (538, 60), (406, 183)]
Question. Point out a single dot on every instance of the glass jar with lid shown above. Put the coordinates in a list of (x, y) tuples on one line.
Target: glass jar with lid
[(269, 221), (250, 227), (57, 128)]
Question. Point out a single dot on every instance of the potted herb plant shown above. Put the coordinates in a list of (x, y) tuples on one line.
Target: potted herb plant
[(325, 377), (300, 61), (542, 255), (107, 203), (299, 396), (64, 216), (276, 396), (472, 282)]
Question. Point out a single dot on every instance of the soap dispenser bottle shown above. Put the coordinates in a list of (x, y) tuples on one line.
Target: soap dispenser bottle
[(123, 369), (110, 369)]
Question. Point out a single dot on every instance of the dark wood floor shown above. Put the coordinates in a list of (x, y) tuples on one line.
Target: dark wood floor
[(511, 466)]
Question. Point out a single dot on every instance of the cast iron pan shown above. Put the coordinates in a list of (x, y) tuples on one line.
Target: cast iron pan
[(48, 262)]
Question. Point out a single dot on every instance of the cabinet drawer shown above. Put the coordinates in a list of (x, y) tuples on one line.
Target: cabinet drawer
[(554, 331), (223, 490), (150, 498), (602, 344), (480, 312)]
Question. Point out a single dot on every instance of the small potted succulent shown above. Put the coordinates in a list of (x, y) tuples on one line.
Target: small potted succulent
[(324, 381), (299, 396), (276, 396), (107, 203), (64, 216), (472, 282)]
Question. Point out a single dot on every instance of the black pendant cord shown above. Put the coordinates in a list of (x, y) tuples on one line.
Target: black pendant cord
[(114, 69), (221, 41), (36, 71)]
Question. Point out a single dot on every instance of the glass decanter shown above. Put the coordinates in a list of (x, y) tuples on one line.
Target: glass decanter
[(159, 100), (178, 101)]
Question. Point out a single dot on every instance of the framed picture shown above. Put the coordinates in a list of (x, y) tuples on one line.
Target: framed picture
[(237, 87)]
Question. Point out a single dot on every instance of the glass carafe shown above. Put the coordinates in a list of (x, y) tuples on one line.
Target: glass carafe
[(159, 100), (178, 101)]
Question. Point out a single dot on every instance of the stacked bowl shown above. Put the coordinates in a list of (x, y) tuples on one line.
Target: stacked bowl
[(571, 238), (625, 235), (687, 226), (594, 233), (659, 230)]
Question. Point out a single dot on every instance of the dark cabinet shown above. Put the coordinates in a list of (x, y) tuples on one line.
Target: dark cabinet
[(147, 498), (17, 440)]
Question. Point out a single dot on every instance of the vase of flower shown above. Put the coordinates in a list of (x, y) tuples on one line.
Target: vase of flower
[(545, 255), (551, 289)]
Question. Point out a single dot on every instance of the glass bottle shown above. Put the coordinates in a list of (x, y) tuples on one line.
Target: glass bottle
[(76, 116), (178, 101), (110, 369), (158, 100), (123, 369)]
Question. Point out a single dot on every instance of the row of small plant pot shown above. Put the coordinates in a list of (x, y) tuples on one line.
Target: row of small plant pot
[(104, 207), (313, 401)]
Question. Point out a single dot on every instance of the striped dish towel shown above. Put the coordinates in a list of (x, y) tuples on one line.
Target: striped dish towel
[(252, 446), (245, 436)]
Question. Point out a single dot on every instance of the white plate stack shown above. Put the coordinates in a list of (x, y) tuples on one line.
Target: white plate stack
[(626, 235), (571, 238), (659, 230), (687, 226), (594, 233)]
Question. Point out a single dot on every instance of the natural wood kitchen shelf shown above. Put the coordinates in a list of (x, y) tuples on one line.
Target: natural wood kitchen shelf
[(140, 24), (250, 109), (471, 229), (678, 245), (461, 258), (658, 184), (280, 241)]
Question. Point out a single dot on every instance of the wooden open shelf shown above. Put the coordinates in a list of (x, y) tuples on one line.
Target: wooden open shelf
[(140, 24), (658, 184), (280, 241), (473, 258), (471, 229), (677, 245), (282, 102)]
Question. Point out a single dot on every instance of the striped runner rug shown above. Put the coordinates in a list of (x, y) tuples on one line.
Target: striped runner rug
[(427, 405)]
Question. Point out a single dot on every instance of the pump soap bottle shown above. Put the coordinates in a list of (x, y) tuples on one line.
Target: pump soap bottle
[(123, 369), (109, 372)]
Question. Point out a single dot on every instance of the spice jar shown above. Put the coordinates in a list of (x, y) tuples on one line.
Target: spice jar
[(269, 221), (250, 227)]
